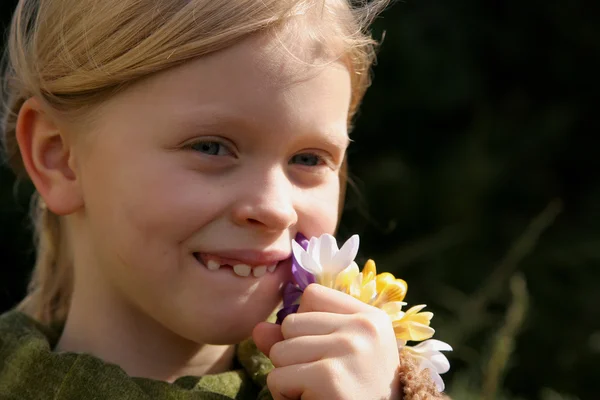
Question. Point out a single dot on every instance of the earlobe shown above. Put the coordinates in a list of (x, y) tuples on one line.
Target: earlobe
[(48, 158)]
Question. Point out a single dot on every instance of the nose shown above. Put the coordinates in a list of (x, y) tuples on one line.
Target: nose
[(266, 203)]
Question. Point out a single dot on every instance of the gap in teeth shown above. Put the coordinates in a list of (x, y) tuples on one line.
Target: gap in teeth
[(239, 269)]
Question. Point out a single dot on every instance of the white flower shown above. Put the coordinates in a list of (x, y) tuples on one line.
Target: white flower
[(429, 357), (323, 259)]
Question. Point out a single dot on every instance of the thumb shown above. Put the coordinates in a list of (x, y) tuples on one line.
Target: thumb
[(265, 335)]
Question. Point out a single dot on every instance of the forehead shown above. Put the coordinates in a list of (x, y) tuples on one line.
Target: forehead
[(275, 61), (293, 54), (264, 77)]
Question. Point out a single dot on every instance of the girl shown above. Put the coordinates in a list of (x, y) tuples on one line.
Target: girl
[(176, 148)]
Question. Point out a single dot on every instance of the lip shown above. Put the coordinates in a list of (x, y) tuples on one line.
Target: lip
[(252, 258)]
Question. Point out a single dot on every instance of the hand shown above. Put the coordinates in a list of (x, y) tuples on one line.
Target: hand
[(335, 347)]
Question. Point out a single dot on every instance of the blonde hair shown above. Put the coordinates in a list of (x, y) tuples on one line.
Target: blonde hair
[(73, 54)]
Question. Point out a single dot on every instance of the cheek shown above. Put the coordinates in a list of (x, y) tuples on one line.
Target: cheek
[(320, 211), (152, 198)]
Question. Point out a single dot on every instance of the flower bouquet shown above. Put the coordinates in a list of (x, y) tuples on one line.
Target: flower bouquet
[(320, 261)]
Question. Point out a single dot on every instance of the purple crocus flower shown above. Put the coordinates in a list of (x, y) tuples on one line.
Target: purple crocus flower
[(291, 298), (293, 291), (291, 294), (285, 311), (302, 277)]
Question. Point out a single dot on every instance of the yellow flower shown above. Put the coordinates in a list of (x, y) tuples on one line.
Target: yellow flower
[(412, 324), (386, 292), (369, 287), (344, 280), (389, 288)]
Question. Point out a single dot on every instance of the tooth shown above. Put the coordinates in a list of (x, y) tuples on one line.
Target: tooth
[(242, 269), (213, 265), (259, 271), (271, 268)]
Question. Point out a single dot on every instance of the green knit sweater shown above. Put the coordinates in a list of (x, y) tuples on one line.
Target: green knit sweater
[(30, 370)]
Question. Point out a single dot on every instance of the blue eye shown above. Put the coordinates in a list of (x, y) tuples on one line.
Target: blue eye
[(210, 147), (307, 159)]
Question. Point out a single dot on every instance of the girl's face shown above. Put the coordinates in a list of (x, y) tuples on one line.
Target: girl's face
[(220, 161)]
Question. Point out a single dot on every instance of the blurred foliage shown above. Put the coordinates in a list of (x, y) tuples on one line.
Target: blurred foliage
[(477, 180)]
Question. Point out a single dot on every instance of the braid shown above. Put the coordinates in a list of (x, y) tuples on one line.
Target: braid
[(51, 285)]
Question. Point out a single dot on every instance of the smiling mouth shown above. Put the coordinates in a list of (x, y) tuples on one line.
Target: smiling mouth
[(213, 263)]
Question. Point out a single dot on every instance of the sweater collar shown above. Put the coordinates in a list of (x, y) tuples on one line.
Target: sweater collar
[(21, 332)]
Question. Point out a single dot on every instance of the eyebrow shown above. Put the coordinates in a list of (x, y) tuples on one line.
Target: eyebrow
[(341, 141), (215, 119), (218, 118)]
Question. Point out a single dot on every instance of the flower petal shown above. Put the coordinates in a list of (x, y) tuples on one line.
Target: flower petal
[(297, 251), (422, 317), (394, 309), (437, 379), (302, 277), (431, 351), (314, 248), (383, 279), (327, 251), (356, 285), (301, 240), (345, 278), (410, 330), (415, 309), (369, 271), (393, 291), (440, 362), (309, 264), (432, 345), (346, 255), (303, 259), (433, 374), (285, 311), (368, 292), (291, 294)]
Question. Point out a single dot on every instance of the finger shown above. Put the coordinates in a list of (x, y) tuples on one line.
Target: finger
[(311, 323), (324, 299), (289, 382), (301, 350), (265, 335)]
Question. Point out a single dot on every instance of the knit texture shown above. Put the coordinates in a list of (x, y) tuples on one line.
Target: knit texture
[(29, 370), (417, 385)]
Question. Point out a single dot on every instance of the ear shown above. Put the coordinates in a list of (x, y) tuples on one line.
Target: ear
[(48, 158)]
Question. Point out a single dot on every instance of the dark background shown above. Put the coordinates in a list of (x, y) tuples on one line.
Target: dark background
[(477, 180)]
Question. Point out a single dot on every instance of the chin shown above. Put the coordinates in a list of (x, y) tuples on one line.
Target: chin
[(230, 338), (227, 333), (224, 328)]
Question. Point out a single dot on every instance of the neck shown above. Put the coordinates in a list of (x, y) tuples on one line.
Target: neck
[(123, 335)]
